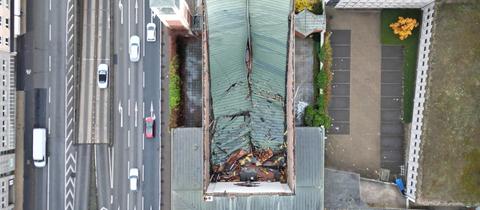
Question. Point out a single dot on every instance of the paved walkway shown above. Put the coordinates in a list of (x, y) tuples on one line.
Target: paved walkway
[(359, 151), (303, 73)]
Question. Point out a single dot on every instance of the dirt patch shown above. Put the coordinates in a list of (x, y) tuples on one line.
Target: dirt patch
[(452, 114)]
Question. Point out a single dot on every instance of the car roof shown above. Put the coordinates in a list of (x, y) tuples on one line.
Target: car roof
[(151, 24), (149, 119), (102, 66), (134, 38)]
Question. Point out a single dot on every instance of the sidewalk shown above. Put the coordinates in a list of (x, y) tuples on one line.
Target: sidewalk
[(19, 153)]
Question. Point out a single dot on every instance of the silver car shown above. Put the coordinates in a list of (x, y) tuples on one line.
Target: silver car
[(102, 73), (151, 32), (134, 49)]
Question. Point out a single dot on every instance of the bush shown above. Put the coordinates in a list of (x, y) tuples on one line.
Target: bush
[(314, 6), (315, 117), (174, 85), (317, 114)]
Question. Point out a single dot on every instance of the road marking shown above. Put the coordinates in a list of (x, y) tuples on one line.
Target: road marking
[(143, 172), (120, 110), (48, 183), (151, 108), (128, 200), (142, 202), (95, 164), (112, 164), (49, 125), (143, 110), (143, 141), (136, 11), (128, 6), (50, 32), (111, 199), (143, 28), (136, 114), (49, 93), (143, 77), (49, 8), (49, 63), (128, 76), (120, 6), (128, 138)]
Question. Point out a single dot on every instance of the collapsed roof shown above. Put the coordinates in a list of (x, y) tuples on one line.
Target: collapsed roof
[(248, 43)]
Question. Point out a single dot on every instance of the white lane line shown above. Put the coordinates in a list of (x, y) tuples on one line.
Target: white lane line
[(136, 11), (49, 8), (120, 6), (50, 32), (49, 125), (112, 165), (128, 201), (143, 27), (128, 138), (143, 140), (143, 110), (142, 202), (96, 164), (143, 172), (143, 77), (111, 200), (49, 63), (49, 94), (128, 76), (136, 114), (48, 183), (128, 6)]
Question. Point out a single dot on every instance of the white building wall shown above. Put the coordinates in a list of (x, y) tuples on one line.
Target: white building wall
[(359, 4), (419, 100)]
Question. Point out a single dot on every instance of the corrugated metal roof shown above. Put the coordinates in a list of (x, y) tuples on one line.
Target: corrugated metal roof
[(187, 172)]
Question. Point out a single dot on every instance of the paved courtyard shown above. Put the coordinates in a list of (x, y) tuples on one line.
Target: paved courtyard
[(365, 106), (355, 92)]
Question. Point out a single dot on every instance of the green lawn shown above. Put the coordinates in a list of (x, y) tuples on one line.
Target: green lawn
[(410, 45)]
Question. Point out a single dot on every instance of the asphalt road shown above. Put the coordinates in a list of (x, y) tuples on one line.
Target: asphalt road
[(136, 95), (43, 74)]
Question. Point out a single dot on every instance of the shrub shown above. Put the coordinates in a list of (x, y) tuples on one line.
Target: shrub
[(404, 27), (316, 114), (314, 6), (174, 85)]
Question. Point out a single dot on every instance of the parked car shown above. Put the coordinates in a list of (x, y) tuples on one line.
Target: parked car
[(151, 32), (149, 127), (134, 49), (102, 73), (133, 177)]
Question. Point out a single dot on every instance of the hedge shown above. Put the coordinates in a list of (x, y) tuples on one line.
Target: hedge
[(317, 114)]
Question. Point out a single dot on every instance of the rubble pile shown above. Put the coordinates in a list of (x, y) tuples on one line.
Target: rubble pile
[(242, 165)]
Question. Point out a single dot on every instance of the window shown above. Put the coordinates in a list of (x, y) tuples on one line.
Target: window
[(6, 41), (0, 40), (6, 22), (0, 20)]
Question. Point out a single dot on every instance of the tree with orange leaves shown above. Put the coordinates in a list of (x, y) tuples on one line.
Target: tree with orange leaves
[(404, 27)]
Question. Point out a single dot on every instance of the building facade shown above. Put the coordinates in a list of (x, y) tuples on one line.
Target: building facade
[(7, 109)]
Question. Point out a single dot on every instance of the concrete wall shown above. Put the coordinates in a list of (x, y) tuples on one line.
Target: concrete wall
[(419, 100), (356, 4)]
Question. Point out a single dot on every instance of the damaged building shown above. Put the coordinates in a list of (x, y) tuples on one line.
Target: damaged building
[(248, 92)]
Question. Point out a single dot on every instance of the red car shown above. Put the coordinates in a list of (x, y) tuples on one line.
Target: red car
[(149, 127)]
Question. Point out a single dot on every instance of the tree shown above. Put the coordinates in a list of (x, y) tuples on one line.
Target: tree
[(404, 27)]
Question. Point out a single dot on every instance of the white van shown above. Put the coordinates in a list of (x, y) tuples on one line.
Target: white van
[(39, 147)]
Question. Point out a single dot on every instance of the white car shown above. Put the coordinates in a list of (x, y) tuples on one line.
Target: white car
[(102, 73), (151, 32), (134, 49), (133, 177)]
